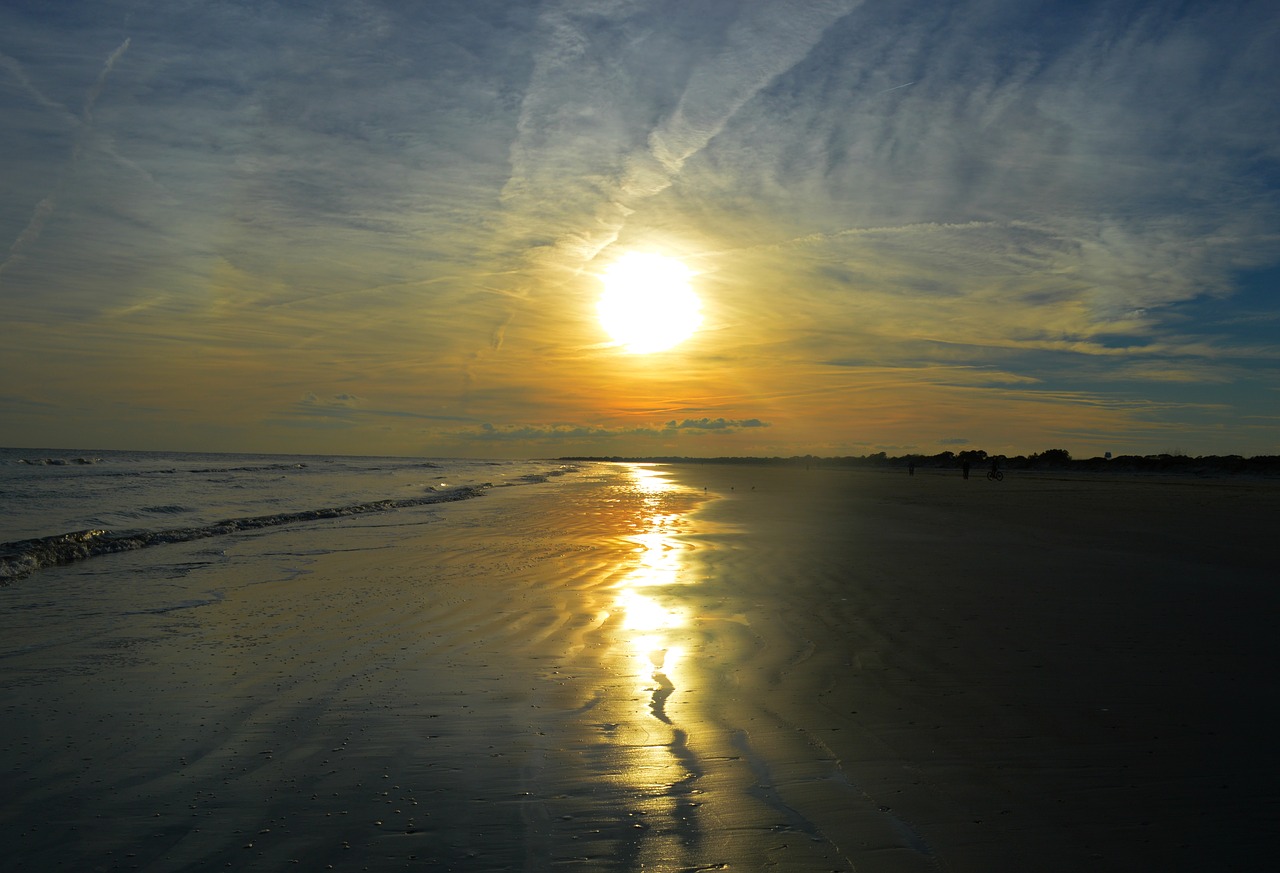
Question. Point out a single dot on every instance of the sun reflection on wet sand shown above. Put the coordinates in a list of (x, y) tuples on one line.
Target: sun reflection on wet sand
[(650, 614), (653, 624), (651, 749)]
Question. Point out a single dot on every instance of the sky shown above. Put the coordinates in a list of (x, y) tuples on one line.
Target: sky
[(380, 228)]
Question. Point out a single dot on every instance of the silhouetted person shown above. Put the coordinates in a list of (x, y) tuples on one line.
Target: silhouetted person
[(964, 468), (911, 468)]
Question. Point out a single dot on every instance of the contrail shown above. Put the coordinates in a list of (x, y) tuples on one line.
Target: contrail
[(894, 88), (20, 75), (92, 96), (44, 209)]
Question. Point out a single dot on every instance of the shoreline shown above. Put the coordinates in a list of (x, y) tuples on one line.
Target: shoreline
[(861, 671)]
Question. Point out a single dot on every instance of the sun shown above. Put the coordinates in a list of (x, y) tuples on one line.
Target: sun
[(648, 304)]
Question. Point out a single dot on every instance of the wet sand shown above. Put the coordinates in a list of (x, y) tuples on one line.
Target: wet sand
[(1039, 674), (795, 670)]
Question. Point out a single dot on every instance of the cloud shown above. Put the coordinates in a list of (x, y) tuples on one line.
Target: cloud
[(768, 40), (337, 408), (610, 148), (16, 405), (560, 432), (345, 401), (700, 424), (352, 409), (1004, 140), (894, 211)]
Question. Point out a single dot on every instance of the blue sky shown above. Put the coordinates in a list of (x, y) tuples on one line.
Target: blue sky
[(380, 228)]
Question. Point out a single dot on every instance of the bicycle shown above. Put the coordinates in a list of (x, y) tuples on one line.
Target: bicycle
[(995, 476)]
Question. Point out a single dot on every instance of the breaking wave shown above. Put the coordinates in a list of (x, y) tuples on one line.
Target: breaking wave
[(23, 557), (58, 462)]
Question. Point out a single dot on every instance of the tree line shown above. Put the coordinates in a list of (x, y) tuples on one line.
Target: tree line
[(1049, 459)]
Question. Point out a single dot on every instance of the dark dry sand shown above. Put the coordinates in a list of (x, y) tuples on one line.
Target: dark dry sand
[(817, 670)]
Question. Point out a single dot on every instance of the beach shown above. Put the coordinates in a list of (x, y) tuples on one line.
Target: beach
[(671, 668)]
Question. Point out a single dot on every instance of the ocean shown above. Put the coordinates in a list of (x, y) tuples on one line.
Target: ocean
[(59, 507)]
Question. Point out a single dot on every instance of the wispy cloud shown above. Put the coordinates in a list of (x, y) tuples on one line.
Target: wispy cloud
[(982, 218)]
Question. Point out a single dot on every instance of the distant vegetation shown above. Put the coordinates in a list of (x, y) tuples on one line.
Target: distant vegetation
[(1048, 460)]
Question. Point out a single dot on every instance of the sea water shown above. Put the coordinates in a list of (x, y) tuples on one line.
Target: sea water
[(59, 507)]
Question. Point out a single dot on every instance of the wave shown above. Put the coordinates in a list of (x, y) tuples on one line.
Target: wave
[(86, 461), (24, 557), (170, 509), (255, 469), (58, 462), (539, 478)]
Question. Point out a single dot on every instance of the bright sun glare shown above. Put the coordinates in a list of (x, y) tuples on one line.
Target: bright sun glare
[(648, 305)]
